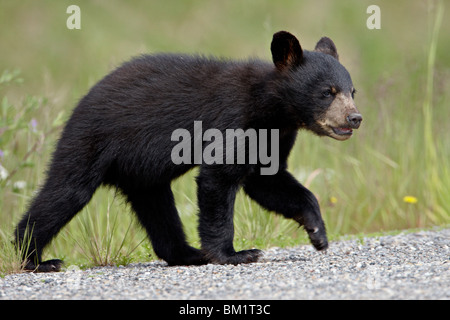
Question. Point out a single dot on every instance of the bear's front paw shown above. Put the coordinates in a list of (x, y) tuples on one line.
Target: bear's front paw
[(315, 228), (244, 256), (318, 237)]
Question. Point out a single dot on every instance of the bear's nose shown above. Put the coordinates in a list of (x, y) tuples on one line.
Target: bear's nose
[(354, 120)]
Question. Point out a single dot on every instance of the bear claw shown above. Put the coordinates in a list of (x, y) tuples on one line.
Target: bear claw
[(53, 265)]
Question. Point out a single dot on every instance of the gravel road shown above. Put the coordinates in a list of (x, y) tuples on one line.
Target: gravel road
[(403, 266)]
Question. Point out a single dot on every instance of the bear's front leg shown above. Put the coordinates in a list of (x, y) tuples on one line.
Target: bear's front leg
[(283, 194), (216, 196)]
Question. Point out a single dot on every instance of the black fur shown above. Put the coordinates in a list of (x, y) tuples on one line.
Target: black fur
[(120, 135)]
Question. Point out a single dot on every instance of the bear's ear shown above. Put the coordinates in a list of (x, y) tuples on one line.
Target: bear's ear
[(326, 45), (286, 51)]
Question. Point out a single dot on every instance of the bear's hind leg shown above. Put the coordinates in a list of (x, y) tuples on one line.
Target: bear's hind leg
[(156, 211), (55, 205)]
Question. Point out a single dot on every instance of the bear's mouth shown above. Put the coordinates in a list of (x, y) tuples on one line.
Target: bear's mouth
[(338, 131), (341, 131)]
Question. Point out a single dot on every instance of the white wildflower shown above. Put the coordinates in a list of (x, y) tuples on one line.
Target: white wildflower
[(3, 173), (19, 185)]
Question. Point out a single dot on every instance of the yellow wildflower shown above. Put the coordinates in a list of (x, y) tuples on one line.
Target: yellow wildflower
[(333, 200), (410, 199)]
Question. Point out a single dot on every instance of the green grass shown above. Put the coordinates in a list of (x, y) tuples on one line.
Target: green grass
[(401, 72)]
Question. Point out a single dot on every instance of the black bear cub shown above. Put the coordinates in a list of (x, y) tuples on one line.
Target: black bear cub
[(121, 134)]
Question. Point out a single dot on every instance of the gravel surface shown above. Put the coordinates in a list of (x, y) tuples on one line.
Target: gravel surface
[(403, 266)]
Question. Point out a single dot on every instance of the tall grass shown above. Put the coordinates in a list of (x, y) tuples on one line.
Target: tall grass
[(393, 174), (438, 184), (106, 239)]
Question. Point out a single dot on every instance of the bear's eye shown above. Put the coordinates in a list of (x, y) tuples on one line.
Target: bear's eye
[(353, 93), (327, 93)]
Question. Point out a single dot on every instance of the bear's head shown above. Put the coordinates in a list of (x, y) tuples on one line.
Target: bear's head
[(317, 90)]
